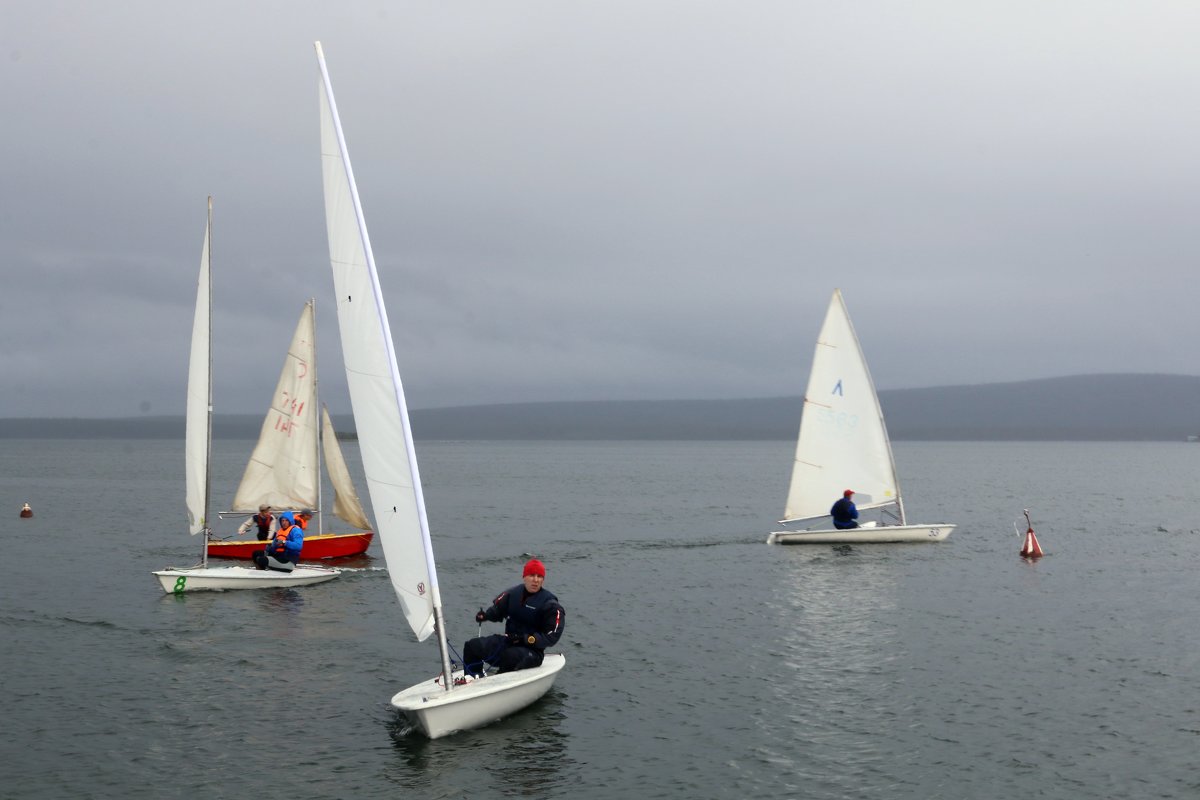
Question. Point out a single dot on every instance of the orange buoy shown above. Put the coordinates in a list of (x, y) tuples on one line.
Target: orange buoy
[(26, 511), (1031, 549)]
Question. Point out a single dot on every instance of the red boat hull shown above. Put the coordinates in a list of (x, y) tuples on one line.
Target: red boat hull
[(325, 545)]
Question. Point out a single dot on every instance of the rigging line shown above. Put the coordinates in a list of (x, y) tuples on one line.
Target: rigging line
[(462, 661)]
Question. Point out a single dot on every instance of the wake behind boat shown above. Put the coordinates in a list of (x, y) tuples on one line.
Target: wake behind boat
[(442, 705), (844, 442), (197, 455)]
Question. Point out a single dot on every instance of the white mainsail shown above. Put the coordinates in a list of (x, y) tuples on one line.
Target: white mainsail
[(197, 436), (445, 704), (283, 471), (843, 441), (376, 393), (346, 505)]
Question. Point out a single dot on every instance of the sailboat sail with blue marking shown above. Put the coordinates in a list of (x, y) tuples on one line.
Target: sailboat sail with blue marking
[(844, 445)]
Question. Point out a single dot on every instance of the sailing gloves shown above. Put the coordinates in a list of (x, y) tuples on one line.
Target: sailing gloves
[(512, 639)]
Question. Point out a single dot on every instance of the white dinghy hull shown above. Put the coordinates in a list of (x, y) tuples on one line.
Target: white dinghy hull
[(438, 712), (218, 579), (880, 534)]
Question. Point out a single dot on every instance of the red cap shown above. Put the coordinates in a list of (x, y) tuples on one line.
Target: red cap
[(534, 567), (847, 493)]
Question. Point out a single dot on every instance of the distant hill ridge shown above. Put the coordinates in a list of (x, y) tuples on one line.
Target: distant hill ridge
[(1081, 407)]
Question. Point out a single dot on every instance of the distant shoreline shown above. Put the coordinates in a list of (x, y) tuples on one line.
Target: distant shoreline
[(1077, 408)]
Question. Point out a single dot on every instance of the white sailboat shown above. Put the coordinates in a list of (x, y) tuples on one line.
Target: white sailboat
[(284, 467), (197, 451), (844, 444), (437, 706)]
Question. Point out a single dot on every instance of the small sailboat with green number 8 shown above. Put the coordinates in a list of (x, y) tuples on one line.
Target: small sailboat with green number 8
[(197, 451)]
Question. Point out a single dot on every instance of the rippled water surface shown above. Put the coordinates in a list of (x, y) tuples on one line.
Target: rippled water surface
[(701, 663)]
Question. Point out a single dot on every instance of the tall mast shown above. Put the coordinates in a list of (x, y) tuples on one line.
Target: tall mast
[(320, 509)]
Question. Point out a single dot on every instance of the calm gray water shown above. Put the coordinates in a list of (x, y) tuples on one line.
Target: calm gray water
[(701, 663)]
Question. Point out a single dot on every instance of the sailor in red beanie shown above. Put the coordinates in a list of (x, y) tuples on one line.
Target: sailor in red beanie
[(533, 621)]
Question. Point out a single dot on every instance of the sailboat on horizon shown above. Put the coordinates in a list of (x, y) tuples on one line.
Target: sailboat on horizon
[(450, 701), (844, 443), (284, 471), (197, 462)]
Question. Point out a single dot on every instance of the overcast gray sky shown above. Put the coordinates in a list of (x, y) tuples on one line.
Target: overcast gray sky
[(599, 200)]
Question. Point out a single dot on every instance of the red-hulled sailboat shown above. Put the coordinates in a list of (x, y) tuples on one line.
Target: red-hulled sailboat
[(284, 470)]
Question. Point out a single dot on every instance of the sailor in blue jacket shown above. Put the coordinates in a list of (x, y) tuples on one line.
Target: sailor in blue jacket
[(534, 622), (283, 551), (844, 512)]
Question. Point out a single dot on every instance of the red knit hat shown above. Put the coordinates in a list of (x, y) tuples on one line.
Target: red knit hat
[(534, 567)]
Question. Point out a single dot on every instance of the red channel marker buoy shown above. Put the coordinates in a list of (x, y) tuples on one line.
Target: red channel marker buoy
[(1031, 549), (26, 512)]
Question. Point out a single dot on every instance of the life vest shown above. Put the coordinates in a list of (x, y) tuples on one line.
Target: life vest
[(279, 543)]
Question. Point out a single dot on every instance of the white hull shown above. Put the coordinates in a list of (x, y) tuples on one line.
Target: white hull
[(879, 534), (438, 712), (216, 579)]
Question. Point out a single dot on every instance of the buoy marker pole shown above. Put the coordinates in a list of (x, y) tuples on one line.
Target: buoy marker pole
[(1031, 549)]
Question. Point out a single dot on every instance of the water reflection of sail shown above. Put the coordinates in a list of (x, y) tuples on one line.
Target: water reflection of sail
[(837, 651)]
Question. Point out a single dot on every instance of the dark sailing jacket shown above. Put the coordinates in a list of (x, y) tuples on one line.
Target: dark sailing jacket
[(538, 615), (844, 512)]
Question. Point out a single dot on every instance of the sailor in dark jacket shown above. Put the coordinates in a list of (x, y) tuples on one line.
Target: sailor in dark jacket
[(534, 622), (844, 512)]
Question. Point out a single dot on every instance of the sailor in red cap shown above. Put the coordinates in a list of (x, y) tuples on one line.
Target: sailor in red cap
[(844, 512), (533, 621)]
